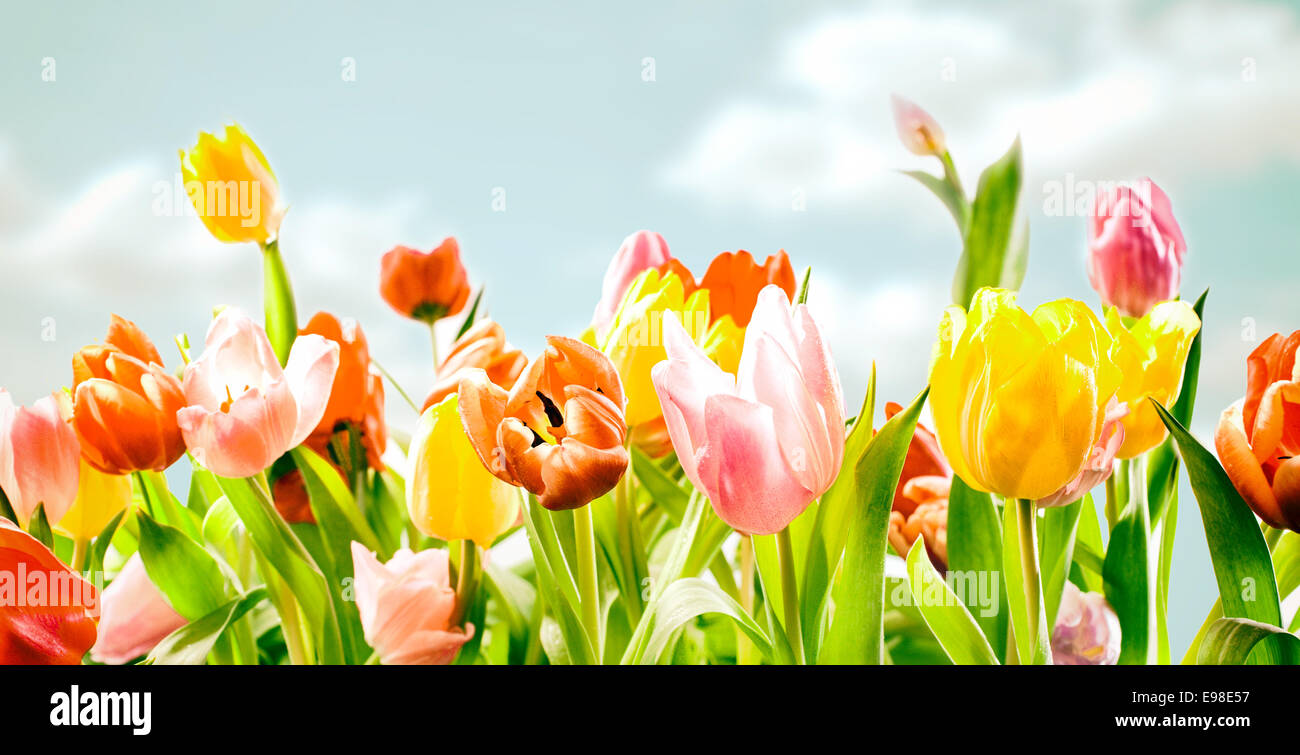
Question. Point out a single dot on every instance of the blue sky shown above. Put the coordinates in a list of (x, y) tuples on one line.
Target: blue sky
[(749, 105)]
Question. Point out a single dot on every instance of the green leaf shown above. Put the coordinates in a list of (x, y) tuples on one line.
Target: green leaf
[(1127, 574), (7, 509), (472, 314), (99, 548), (686, 599), (995, 246), (277, 299), (664, 490), (1229, 642), (181, 569), (975, 548), (285, 553), (190, 644), (1243, 567), (831, 526), (39, 527), (1060, 526), (541, 540), (856, 633), (946, 192), (944, 612), (336, 512), (1162, 473)]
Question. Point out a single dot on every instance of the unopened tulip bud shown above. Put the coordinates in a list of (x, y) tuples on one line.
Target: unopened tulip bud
[(1087, 630), (1135, 248), (917, 129)]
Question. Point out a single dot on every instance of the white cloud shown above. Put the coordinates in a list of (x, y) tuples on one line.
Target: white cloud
[(1102, 90)]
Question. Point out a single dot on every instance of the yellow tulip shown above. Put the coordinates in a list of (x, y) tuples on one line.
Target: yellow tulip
[(634, 340), (100, 496), (1018, 399), (450, 495), (722, 343), (232, 187), (1151, 354)]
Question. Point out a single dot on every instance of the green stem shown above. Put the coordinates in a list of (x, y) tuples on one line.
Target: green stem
[(1137, 492), (277, 298), (433, 341), (790, 594), (588, 586), (1112, 501), (81, 553), (629, 536), (467, 579), (1027, 519)]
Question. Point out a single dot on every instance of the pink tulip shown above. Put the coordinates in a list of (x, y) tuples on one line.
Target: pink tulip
[(1101, 460), (406, 607), (244, 410), (764, 444), (1135, 248), (917, 129), (134, 616), (1087, 630), (639, 252), (40, 458)]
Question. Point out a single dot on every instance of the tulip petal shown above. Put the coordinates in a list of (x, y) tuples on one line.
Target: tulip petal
[(313, 362)]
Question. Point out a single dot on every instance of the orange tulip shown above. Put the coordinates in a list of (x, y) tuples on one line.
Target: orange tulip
[(289, 494), (482, 347), (50, 626), (125, 403), (357, 394), (425, 286), (559, 432), (734, 280), (1258, 437), (920, 507)]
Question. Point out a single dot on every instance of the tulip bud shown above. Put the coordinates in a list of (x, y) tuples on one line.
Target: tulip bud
[(918, 131), (1135, 248), (1258, 437), (232, 187), (406, 607), (639, 252), (136, 616), (125, 403), (39, 458), (425, 286), (482, 347), (449, 493), (1087, 630)]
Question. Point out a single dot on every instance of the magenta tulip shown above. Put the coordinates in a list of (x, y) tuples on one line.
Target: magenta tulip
[(764, 444), (134, 616), (244, 410), (1087, 630), (1135, 248), (638, 252), (40, 458), (406, 607)]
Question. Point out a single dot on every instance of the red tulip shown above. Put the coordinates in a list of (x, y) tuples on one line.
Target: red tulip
[(54, 625)]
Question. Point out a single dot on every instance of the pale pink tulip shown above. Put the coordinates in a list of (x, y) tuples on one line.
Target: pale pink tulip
[(1135, 247), (134, 616), (1087, 630), (406, 607), (1101, 459), (40, 458), (638, 252), (244, 410), (764, 444), (917, 129)]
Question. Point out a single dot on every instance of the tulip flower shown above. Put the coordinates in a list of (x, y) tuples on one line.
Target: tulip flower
[(643, 250), (633, 342), (50, 626), (100, 497), (1151, 356), (917, 129), (920, 507), (1258, 437), (1087, 630), (39, 458), (1019, 400), (559, 432), (245, 411), (232, 187), (426, 286), (1101, 460), (125, 403), (357, 394), (450, 494), (1135, 248), (482, 347), (136, 616), (763, 444), (734, 279), (406, 607)]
